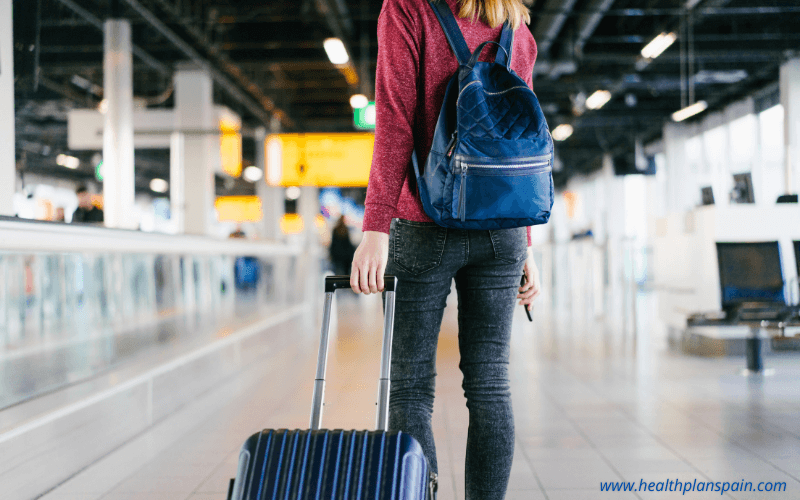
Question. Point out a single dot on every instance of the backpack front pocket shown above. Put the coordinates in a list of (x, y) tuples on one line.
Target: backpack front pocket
[(517, 188)]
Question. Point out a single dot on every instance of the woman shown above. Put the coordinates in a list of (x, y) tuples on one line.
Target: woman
[(415, 64)]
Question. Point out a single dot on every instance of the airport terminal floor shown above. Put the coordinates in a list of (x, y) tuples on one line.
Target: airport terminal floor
[(592, 405)]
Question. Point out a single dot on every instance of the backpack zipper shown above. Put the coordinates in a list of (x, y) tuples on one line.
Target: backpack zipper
[(470, 84), (462, 195), (458, 100), (507, 90), (520, 166), (477, 160)]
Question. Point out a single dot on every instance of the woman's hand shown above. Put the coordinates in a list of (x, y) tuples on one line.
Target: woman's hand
[(533, 286), (369, 263)]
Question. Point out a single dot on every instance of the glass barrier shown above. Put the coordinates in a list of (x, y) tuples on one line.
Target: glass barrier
[(586, 282), (65, 317)]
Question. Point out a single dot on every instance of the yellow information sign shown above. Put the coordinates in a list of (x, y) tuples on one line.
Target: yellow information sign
[(319, 159), (238, 208), (230, 146)]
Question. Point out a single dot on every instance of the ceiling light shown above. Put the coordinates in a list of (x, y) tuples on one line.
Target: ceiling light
[(87, 85), (68, 161), (359, 101), (370, 116), (336, 51), (292, 193), (598, 99), (253, 174), (159, 185), (726, 76), (689, 111), (81, 82), (658, 45), (562, 132)]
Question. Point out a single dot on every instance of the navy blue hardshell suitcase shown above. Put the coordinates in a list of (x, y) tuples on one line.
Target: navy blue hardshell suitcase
[(337, 464)]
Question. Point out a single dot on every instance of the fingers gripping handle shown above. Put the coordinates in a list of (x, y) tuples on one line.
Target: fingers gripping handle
[(333, 283)]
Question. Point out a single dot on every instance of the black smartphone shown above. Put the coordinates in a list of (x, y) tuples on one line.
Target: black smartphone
[(527, 311)]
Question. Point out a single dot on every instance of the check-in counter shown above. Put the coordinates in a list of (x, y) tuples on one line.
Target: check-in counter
[(685, 259)]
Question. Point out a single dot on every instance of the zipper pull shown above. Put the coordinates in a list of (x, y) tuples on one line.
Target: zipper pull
[(462, 195), (452, 145), (433, 485)]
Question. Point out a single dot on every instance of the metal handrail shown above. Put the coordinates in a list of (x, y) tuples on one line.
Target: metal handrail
[(34, 236)]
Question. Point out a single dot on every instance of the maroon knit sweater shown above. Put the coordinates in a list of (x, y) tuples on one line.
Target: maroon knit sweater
[(415, 63)]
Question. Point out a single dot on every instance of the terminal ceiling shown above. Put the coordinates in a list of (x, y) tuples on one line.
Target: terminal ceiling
[(269, 60)]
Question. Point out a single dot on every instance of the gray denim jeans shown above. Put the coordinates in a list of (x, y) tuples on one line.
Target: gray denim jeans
[(487, 266)]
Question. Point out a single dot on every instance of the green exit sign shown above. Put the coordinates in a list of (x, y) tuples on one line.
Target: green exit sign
[(364, 118)]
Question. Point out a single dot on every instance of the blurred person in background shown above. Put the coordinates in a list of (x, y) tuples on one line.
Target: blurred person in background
[(238, 233), (415, 63), (86, 211), (341, 249)]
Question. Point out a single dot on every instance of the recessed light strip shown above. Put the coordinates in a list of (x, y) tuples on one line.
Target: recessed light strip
[(68, 161), (562, 132), (598, 99), (336, 51), (690, 111), (658, 45)]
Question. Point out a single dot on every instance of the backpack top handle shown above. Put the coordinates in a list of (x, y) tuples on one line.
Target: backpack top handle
[(456, 39), (475, 55)]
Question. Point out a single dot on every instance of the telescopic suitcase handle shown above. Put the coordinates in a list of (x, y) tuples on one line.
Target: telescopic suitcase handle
[(333, 283)]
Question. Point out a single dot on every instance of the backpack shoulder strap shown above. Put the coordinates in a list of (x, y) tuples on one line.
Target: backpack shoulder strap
[(507, 42), (451, 30)]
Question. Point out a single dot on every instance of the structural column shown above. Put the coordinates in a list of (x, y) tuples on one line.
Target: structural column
[(790, 100), (118, 175), (192, 152), (7, 161), (308, 208), (272, 198)]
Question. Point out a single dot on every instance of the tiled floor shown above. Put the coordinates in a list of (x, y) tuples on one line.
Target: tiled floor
[(590, 406)]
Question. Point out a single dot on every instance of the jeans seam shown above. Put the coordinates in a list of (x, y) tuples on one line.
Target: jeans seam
[(466, 248)]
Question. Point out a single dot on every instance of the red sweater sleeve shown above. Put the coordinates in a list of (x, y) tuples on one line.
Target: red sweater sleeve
[(395, 105)]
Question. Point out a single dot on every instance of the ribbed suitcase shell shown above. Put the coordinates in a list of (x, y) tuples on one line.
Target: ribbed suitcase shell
[(331, 464)]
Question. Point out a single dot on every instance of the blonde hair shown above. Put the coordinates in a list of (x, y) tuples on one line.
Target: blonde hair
[(496, 12)]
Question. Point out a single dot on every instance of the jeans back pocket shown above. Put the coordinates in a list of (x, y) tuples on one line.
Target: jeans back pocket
[(417, 247), (510, 245)]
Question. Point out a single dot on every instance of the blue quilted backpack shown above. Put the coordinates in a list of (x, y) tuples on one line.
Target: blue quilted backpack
[(490, 165)]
